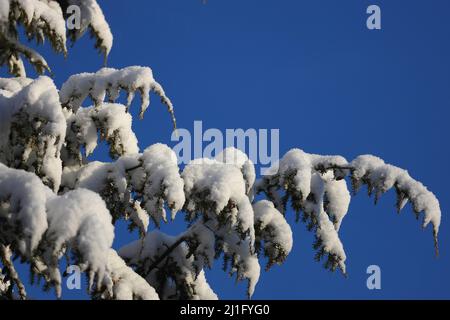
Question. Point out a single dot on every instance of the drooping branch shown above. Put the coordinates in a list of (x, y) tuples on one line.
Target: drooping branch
[(45, 20), (167, 265), (380, 177), (6, 254), (10, 53), (326, 204), (107, 83), (166, 253), (150, 179)]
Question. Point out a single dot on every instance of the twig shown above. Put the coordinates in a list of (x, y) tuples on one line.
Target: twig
[(166, 253), (6, 254)]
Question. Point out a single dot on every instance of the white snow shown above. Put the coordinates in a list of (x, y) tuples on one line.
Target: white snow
[(154, 244), (273, 230), (162, 181), (80, 218), (154, 177), (338, 198), (26, 197), (77, 220), (36, 104), (38, 12), (303, 165), (218, 191), (325, 231), (107, 83), (112, 122), (13, 85), (239, 159), (127, 284), (382, 177), (92, 17)]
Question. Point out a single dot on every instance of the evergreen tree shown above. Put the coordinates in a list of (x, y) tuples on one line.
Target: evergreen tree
[(55, 203)]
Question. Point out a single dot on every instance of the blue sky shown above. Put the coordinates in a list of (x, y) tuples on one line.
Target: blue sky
[(313, 70)]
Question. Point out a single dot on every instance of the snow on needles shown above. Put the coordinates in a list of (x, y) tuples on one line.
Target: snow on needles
[(314, 184), (46, 20), (113, 123), (175, 276), (33, 128), (36, 12), (152, 176), (162, 183), (127, 284), (92, 17), (381, 177), (107, 83), (272, 228), (217, 191), (51, 224)]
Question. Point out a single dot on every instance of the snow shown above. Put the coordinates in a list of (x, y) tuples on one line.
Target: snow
[(127, 284), (202, 288), (162, 182), (201, 241), (4, 284), (4, 11), (42, 129), (303, 165), (217, 190), (27, 197), (92, 17), (45, 20), (154, 178), (239, 159), (32, 109), (300, 162), (315, 185), (381, 177), (337, 199), (325, 230), (47, 12), (112, 122), (222, 183), (107, 83), (10, 86), (139, 217), (273, 229), (77, 220), (188, 280)]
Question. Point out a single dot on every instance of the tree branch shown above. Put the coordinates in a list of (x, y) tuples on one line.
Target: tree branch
[(165, 254), (133, 168), (5, 253)]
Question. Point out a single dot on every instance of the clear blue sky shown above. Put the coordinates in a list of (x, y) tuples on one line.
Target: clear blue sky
[(313, 70)]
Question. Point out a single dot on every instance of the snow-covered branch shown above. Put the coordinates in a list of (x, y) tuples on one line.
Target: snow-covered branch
[(11, 52), (107, 84), (32, 127), (307, 182), (45, 20), (153, 182), (40, 226), (314, 185), (216, 194), (54, 202), (273, 233), (174, 276), (11, 273), (381, 177), (125, 283), (92, 19), (83, 128)]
